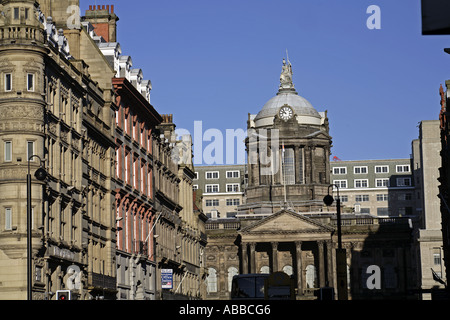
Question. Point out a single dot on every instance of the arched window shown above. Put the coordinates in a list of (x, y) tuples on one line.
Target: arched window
[(264, 269), (288, 270), (211, 280), (311, 276), (232, 271)]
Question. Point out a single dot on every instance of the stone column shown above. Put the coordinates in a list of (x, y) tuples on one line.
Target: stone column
[(298, 254), (244, 258), (313, 166), (252, 257), (298, 163), (274, 256), (330, 263), (322, 262)]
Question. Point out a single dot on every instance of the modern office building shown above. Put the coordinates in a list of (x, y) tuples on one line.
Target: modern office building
[(382, 188), (428, 242), (223, 189)]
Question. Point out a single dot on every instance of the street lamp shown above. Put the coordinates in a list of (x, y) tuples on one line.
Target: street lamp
[(341, 256), (40, 175)]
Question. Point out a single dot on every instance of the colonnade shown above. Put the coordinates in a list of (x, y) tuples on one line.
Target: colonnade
[(321, 249)]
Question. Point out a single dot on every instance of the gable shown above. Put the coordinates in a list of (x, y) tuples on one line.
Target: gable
[(287, 222)]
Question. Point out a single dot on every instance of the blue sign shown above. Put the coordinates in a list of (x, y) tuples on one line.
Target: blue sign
[(166, 279)]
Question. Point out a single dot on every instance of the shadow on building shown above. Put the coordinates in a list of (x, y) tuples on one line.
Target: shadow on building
[(382, 267)]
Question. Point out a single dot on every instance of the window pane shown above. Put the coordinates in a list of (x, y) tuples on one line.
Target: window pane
[(30, 149), (8, 150), (8, 218), (30, 82), (8, 82), (289, 166)]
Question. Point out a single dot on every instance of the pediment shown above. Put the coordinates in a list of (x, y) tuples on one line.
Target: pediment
[(319, 135), (286, 221)]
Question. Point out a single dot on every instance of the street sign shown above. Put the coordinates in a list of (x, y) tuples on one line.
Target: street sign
[(166, 279)]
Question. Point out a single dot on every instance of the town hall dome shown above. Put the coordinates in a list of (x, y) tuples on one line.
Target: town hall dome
[(302, 108)]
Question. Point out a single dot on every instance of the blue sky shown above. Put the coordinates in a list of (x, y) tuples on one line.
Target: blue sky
[(216, 61)]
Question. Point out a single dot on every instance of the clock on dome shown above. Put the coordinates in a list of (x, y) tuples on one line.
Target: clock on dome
[(285, 113)]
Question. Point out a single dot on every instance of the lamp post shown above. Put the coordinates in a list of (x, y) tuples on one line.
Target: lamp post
[(341, 256), (40, 175)]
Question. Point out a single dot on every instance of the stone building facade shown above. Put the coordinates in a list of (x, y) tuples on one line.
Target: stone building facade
[(444, 177), (383, 187), (222, 187), (115, 202), (53, 109), (284, 224), (288, 151), (181, 233)]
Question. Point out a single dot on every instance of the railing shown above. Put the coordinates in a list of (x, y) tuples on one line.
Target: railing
[(227, 225), (370, 221)]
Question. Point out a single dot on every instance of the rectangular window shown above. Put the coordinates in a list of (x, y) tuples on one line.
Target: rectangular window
[(8, 218), (195, 175), (379, 183), (30, 82), (382, 212), (362, 198), (288, 166), (405, 196), (344, 198), (232, 174), (382, 197), (212, 174), (403, 182), (8, 150), (381, 169), (340, 183), (16, 13), (405, 211), (437, 259), (340, 170), (402, 168), (195, 187), (232, 202), (361, 183), (233, 187), (360, 170), (8, 82), (30, 149), (212, 202), (212, 188)]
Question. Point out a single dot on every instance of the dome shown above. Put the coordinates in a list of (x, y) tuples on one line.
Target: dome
[(299, 105), (287, 95)]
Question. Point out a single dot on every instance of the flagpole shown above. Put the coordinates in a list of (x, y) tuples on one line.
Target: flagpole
[(284, 175)]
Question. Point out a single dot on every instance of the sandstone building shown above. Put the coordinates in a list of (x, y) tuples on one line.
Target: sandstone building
[(52, 108), (116, 207), (284, 224)]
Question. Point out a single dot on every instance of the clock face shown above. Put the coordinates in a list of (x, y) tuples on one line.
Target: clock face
[(286, 113)]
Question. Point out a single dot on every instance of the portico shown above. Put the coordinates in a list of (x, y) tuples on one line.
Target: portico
[(293, 243)]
